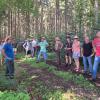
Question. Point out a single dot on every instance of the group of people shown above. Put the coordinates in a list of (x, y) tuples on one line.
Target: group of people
[(73, 50), (34, 47)]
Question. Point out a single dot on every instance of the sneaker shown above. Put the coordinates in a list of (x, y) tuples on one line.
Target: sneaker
[(93, 80), (37, 61), (90, 73), (11, 77), (66, 65)]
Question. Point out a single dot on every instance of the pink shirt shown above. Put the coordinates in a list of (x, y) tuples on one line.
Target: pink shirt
[(76, 46), (96, 44)]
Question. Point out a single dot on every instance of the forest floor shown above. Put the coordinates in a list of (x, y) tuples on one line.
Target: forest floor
[(50, 81), (63, 67)]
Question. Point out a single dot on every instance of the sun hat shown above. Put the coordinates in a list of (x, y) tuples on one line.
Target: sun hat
[(57, 39), (75, 37)]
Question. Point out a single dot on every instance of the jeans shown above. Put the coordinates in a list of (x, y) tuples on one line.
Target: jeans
[(44, 55), (95, 66), (33, 51), (9, 67), (89, 59)]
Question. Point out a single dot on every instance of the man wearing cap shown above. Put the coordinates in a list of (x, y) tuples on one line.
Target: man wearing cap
[(68, 48), (8, 53), (96, 47), (58, 47), (43, 44)]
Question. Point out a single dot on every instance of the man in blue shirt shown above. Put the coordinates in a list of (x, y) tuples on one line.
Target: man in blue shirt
[(9, 57)]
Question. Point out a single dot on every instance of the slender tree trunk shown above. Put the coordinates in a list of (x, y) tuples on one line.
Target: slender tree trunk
[(57, 17), (66, 20), (96, 11), (9, 32)]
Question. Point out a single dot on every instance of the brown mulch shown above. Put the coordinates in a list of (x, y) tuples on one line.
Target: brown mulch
[(63, 67), (54, 82)]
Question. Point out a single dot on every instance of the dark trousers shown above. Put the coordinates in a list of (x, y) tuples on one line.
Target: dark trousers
[(10, 67), (58, 53)]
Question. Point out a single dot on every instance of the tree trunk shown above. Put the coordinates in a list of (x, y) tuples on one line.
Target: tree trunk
[(57, 17), (66, 20)]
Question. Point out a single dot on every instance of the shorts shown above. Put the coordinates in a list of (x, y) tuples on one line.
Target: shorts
[(28, 52), (76, 55), (69, 54)]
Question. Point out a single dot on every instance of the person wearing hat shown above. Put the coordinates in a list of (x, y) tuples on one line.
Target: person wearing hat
[(43, 45), (96, 47), (58, 47), (76, 52), (68, 50), (8, 54)]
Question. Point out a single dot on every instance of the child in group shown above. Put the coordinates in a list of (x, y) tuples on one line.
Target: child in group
[(68, 55), (58, 47), (76, 52), (43, 44), (87, 50), (96, 47)]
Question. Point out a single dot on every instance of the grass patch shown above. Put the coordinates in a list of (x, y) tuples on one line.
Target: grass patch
[(45, 93)]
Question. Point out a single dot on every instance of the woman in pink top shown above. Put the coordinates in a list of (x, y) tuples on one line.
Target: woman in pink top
[(96, 47), (76, 52)]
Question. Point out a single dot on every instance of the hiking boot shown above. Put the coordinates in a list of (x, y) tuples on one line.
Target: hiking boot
[(37, 61), (90, 74), (11, 77), (93, 80), (66, 65)]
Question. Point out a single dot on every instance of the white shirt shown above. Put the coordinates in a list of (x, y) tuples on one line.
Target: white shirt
[(34, 43)]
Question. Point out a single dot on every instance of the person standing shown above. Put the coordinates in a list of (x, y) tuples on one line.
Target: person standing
[(28, 47), (68, 56), (43, 45), (58, 47), (96, 47), (1, 47), (87, 50), (76, 52), (34, 44), (8, 54)]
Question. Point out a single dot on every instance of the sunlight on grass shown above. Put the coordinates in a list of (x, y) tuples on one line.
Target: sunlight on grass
[(39, 87), (69, 95), (32, 77), (68, 76), (1, 93)]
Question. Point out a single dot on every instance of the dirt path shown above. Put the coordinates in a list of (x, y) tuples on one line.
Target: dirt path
[(71, 69), (54, 82)]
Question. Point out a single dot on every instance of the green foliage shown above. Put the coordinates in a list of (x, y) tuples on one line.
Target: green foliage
[(68, 76), (11, 95), (6, 83), (41, 90)]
